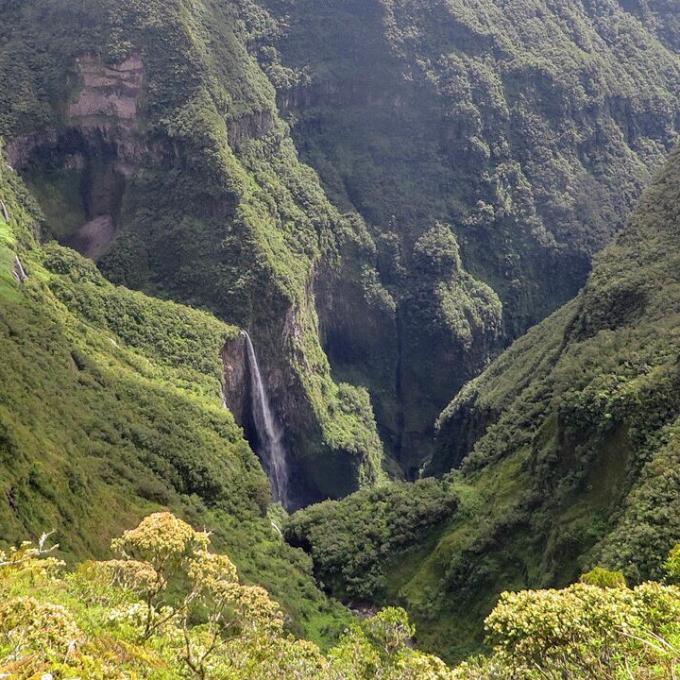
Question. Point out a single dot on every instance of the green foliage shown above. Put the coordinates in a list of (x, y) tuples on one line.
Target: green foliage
[(172, 334), (436, 254), (171, 608), (490, 158), (112, 407), (445, 298), (176, 611), (604, 578), (354, 541), (583, 631), (529, 127), (215, 210), (581, 627), (672, 564), (569, 441)]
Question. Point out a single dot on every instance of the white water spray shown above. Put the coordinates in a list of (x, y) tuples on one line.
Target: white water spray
[(270, 436), (19, 273)]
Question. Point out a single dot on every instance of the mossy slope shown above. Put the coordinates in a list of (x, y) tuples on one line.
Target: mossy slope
[(201, 180), (529, 127), (111, 408)]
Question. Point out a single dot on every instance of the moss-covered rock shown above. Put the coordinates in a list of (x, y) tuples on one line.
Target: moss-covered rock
[(162, 156), (528, 127)]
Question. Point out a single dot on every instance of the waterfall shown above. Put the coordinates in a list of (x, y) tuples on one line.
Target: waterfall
[(269, 434), (19, 272)]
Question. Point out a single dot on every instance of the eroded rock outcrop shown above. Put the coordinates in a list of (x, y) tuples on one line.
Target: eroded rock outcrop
[(249, 126), (96, 150), (109, 91), (18, 271), (105, 112)]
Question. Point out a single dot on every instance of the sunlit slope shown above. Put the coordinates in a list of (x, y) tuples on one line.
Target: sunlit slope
[(111, 407)]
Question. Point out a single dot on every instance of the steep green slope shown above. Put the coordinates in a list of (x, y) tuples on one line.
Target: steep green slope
[(491, 148), (111, 408), (530, 127), (151, 139), (508, 132), (572, 447)]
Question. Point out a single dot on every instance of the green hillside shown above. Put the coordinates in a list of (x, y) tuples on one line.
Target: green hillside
[(528, 127), (111, 408), (150, 137), (424, 254), (570, 449), (162, 139)]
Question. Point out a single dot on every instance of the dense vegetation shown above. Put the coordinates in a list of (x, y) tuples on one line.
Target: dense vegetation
[(472, 158), (111, 407), (528, 127), (351, 540), (570, 448), (209, 203), (168, 607), (519, 135)]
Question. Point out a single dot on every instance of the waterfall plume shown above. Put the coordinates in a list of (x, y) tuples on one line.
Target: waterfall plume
[(270, 449)]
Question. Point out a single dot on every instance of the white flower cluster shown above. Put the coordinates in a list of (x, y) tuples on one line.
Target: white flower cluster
[(134, 614)]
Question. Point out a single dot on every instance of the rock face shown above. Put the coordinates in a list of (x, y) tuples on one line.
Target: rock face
[(93, 237), (249, 126), (235, 386), (105, 112), (109, 92), (18, 271), (173, 146), (19, 149), (96, 150), (466, 142)]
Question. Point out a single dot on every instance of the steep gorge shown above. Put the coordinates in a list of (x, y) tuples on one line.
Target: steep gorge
[(383, 195), (110, 409), (136, 128), (154, 139), (529, 128), (569, 448)]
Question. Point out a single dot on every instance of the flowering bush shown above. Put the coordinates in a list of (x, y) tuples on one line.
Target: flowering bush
[(168, 608)]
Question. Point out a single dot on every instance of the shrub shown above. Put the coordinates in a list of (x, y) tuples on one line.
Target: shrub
[(604, 578)]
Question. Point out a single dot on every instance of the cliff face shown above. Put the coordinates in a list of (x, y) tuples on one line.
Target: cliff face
[(111, 409), (472, 158), (159, 153), (496, 119), (484, 155)]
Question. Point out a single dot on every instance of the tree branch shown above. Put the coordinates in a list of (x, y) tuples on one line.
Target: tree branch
[(33, 553)]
